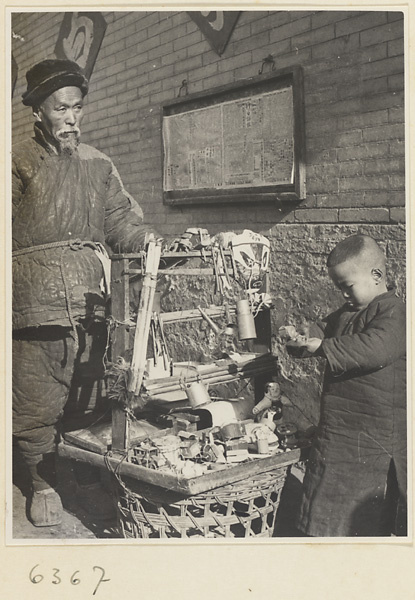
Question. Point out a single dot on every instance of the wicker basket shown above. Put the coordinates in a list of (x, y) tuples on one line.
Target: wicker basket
[(246, 508)]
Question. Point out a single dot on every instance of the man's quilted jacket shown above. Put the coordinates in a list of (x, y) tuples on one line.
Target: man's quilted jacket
[(59, 198)]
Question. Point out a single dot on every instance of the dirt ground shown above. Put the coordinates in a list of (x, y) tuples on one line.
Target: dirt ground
[(77, 523)]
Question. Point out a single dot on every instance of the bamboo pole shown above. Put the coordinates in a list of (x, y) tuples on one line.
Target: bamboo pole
[(214, 378), (144, 317)]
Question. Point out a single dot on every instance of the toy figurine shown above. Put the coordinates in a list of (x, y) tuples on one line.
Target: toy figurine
[(270, 409)]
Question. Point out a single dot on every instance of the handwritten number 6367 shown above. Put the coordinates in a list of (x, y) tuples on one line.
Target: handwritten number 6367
[(74, 579)]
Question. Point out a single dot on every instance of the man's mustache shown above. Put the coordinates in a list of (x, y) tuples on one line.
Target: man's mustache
[(65, 133)]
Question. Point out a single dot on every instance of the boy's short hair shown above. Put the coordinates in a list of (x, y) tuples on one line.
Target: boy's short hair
[(359, 246)]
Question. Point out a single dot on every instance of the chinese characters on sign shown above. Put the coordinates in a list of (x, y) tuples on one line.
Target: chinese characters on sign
[(239, 143)]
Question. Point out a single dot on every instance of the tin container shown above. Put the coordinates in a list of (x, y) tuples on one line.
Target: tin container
[(231, 431), (245, 320), (197, 394)]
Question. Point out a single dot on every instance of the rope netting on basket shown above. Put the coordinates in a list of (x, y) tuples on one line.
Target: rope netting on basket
[(243, 509)]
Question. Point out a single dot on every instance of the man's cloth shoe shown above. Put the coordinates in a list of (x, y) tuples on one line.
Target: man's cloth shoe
[(46, 508), (96, 501)]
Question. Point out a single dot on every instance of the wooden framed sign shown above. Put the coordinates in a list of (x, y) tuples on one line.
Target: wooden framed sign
[(242, 142)]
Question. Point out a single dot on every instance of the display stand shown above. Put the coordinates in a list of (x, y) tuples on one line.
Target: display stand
[(126, 265), (240, 500)]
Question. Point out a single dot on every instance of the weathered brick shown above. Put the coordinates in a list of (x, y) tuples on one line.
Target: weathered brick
[(380, 68), (138, 81), (320, 96), (311, 38), (129, 95), (382, 33), (341, 107), (255, 41), (321, 157), (113, 48), (321, 18), (360, 121), (380, 182), (325, 73), (395, 15), (336, 47), (396, 47), (380, 101), (384, 198), (389, 165), (301, 57), (207, 71), (174, 57), (196, 49), (274, 19), (179, 18), (173, 33), (233, 63), (342, 200), (187, 40), (290, 29), (114, 68), (369, 87), (366, 20), (275, 49), (322, 215), (188, 64), (397, 215), (397, 148), (108, 122), (159, 51), (241, 31), (148, 44), (364, 215), (396, 82), (351, 168), (217, 80), (288, 217), (138, 61), (165, 23), (397, 182), (146, 20), (160, 97), (150, 88), (117, 129), (348, 138), (385, 132), (321, 185)]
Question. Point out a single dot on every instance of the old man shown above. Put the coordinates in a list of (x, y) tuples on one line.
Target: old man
[(69, 206)]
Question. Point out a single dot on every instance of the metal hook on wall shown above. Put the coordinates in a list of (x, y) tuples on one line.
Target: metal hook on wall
[(183, 88), (268, 60)]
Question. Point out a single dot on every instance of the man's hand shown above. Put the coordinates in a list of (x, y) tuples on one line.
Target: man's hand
[(312, 345)]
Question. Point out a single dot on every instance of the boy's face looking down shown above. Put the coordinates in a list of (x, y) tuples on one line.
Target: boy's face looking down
[(359, 283)]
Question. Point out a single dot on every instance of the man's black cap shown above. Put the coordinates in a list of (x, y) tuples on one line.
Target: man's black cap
[(50, 75)]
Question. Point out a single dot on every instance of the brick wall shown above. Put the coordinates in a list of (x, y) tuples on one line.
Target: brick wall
[(354, 116)]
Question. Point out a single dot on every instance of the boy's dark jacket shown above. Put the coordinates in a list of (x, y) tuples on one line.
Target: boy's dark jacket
[(363, 419)]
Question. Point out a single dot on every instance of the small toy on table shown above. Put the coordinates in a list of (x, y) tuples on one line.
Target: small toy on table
[(269, 410)]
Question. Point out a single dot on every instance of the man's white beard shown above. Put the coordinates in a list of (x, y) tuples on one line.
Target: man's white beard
[(68, 141)]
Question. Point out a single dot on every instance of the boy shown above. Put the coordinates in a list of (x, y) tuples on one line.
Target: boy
[(361, 438)]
